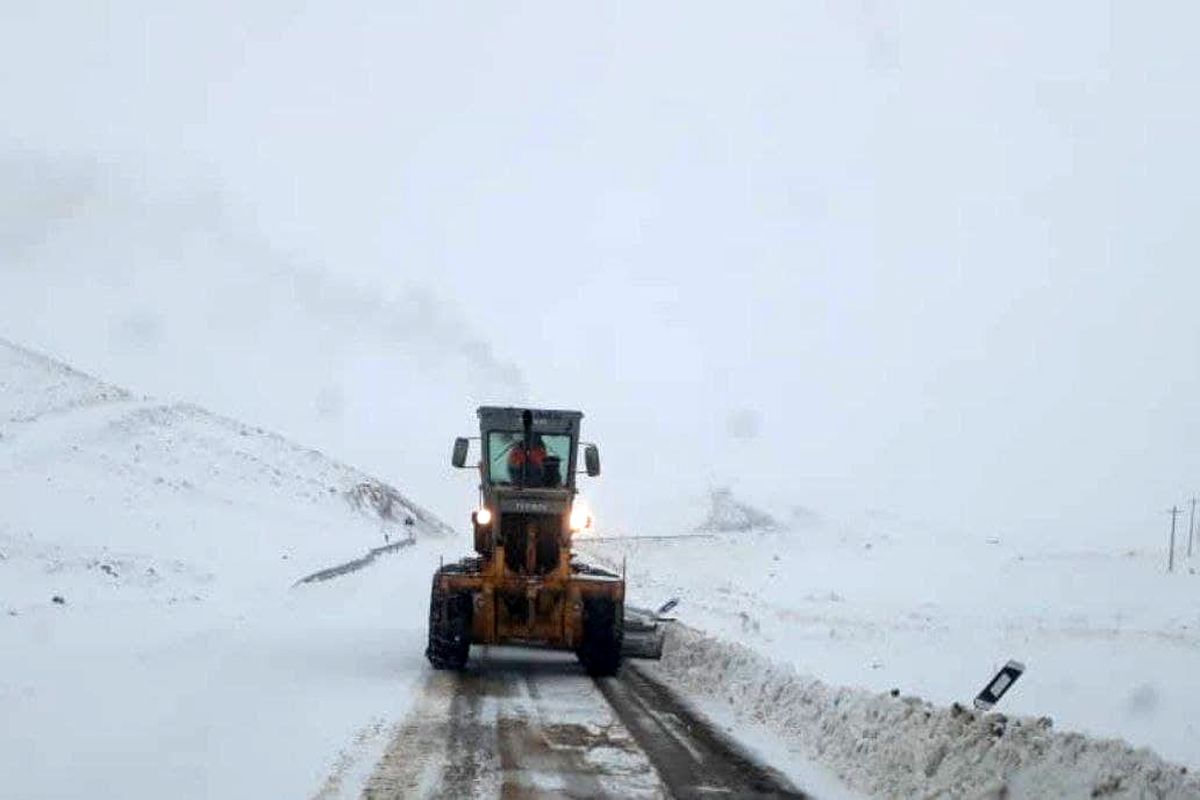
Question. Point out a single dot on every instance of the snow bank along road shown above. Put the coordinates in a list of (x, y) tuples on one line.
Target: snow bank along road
[(529, 724)]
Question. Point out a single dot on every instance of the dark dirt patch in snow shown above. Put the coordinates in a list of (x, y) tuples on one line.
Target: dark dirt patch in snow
[(378, 499)]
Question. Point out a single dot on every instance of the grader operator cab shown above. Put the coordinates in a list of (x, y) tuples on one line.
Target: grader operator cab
[(523, 587)]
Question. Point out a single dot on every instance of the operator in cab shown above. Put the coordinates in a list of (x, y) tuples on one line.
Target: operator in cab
[(535, 465)]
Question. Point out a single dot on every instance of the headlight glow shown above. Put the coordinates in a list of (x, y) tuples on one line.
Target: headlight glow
[(581, 517), (483, 516)]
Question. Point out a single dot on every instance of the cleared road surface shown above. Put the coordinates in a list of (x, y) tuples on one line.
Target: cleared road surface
[(530, 724)]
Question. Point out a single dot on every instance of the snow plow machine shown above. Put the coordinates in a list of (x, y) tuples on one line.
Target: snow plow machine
[(523, 587)]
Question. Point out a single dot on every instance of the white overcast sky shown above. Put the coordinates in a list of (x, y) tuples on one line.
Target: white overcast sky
[(936, 258)]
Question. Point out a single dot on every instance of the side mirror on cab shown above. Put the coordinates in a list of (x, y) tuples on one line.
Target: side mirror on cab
[(461, 446), (591, 460)]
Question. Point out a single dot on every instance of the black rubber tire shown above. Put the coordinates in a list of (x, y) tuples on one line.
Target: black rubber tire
[(449, 628), (603, 632)]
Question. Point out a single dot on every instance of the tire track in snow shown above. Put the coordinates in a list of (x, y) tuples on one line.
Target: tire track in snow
[(695, 759), (526, 724), (349, 763), (518, 725)]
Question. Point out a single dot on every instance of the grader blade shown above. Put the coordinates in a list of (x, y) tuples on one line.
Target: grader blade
[(643, 634)]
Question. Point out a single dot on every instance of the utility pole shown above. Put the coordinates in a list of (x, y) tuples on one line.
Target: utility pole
[(1175, 512), (1192, 526)]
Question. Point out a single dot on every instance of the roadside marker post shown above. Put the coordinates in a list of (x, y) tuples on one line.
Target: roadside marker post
[(998, 686), (1174, 512)]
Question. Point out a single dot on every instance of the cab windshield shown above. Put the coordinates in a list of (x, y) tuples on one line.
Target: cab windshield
[(544, 463)]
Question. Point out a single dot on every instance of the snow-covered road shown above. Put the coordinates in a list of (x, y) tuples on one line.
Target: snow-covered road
[(531, 724), (513, 725)]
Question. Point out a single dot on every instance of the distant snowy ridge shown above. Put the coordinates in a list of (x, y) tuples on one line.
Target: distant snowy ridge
[(892, 746), (726, 514), (32, 385)]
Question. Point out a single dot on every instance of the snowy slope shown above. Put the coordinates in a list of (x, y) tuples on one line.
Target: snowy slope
[(116, 470), (1112, 644), (153, 642)]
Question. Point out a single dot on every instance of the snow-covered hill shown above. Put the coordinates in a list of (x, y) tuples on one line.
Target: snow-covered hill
[(87, 465), (152, 641)]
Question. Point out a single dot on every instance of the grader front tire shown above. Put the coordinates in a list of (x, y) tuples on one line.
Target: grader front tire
[(603, 627), (449, 629)]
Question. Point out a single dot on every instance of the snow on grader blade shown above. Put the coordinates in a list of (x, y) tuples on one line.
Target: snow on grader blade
[(643, 634), (523, 586)]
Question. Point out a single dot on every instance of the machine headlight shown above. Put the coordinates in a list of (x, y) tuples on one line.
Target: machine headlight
[(483, 516), (581, 517)]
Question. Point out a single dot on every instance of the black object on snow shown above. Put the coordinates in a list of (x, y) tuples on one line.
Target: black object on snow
[(999, 685)]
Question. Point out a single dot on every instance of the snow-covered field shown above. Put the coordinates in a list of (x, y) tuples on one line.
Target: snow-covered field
[(156, 642), (178, 659), (1111, 643)]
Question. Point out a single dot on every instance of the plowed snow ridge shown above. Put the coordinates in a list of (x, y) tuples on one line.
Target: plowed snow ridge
[(905, 747)]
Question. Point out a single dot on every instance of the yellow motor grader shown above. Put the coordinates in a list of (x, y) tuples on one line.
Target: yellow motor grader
[(523, 587)]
